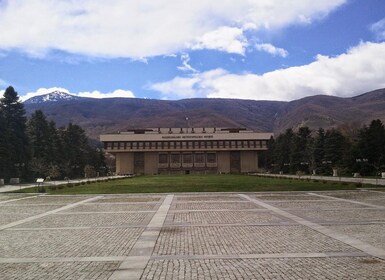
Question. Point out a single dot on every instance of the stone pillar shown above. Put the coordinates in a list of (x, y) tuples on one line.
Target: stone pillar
[(1, 182)]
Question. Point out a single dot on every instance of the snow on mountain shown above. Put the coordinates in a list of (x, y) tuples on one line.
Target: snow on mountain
[(55, 96)]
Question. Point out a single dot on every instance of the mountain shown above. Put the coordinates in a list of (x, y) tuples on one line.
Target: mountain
[(99, 116), (55, 96)]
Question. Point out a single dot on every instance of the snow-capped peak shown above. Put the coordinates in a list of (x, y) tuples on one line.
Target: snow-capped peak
[(55, 96)]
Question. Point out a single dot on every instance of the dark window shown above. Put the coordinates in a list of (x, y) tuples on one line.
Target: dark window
[(163, 158), (200, 158), (211, 157), (187, 158), (175, 158)]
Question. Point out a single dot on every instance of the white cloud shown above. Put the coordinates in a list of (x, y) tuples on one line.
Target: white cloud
[(269, 48), (139, 28), (115, 93), (227, 39), (185, 64), (91, 94), (358, 70), (378, 29)]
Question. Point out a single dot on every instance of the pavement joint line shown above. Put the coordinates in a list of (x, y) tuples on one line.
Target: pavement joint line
[(17, 199), (63, 259), (348, 200), (133, 266), (353, 242), (261, 256), (119, 212), (78, 228), (183, 257), (29, 219)]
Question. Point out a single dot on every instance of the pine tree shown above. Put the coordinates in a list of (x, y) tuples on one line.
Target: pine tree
[(14, 134), (40, 143)]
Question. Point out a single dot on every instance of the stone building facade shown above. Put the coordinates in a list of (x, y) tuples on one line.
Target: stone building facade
[(186, 150)]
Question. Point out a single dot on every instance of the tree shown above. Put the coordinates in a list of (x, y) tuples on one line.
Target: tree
[(300, 150), (282, 152), (40, 143), (4, 155), (370, 148), (336, 146), (318, 152), (14, 135)]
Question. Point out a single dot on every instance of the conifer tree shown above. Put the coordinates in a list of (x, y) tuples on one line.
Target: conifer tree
[(14, 134)]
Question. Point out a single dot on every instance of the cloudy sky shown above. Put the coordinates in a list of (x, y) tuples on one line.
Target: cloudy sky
[(174, 49)]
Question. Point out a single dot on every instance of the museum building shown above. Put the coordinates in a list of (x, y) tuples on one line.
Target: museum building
[(186, 150)]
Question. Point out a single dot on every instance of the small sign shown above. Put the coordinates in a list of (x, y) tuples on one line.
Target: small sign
[(39, 180)]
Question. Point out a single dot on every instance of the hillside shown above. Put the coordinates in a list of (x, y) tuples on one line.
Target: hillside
[(98, 116)]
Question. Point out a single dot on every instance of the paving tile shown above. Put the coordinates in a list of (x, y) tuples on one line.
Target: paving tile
[(266, 269)]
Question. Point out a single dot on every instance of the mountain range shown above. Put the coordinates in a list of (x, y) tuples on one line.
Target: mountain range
[(97, 116)]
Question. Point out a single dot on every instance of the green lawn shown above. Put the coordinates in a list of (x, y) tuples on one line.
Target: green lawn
[(199, 183)]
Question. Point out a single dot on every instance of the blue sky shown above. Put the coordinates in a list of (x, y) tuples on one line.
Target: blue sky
[(172, 49)]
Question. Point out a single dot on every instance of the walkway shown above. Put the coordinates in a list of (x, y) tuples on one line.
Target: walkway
[(370, 181), (11, 188), (291, 235)]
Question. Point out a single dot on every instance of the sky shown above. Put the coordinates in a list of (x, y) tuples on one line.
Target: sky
[(172, 49)]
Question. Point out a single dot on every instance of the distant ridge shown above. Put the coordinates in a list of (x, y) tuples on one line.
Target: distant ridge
[(55, 96), (98, 116)]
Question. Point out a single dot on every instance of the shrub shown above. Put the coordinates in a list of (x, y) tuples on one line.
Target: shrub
[(70, 185)]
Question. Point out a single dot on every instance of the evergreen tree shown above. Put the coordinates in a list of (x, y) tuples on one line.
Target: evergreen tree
[(336, 146), (40, 143), (318, 152), (4, 155), (14, 134), (370, 148), (300, 150), (282, 151)]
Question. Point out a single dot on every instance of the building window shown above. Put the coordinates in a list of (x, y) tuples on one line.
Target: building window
[(121, 145), (163, 158), (116, 145), (211, 157), (175, 158), (187, 158), (199, 158)]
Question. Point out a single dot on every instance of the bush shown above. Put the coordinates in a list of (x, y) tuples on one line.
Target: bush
[(52, 187), (61, 187), (358, 185), (83, 183), (70, 185)]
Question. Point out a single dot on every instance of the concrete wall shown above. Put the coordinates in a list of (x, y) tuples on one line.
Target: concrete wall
[(151, 163), (249, 161), (223, 159), (124, 163)]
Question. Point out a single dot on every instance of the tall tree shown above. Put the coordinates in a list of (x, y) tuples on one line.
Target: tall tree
[(14, 134), (370, 149), (318, 152), (300, 150), (4, 155), (335, 148), (40, 143)]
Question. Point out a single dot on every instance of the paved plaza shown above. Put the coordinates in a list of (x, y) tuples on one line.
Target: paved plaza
[(293, 235)]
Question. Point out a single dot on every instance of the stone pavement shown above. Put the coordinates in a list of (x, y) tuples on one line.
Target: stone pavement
[(293, 235)]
